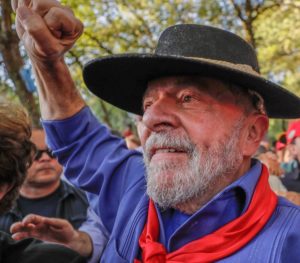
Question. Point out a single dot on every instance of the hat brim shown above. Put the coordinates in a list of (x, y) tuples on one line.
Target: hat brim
[(122, 80)]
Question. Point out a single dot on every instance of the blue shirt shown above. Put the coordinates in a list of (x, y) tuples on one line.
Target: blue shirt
[(101, 164), (97, 232)]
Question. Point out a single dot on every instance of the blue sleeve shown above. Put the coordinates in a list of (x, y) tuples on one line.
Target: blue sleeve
[(98, 234), (96, 161)]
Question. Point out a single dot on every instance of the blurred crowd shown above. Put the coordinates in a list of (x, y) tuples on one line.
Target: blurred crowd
[(282, 159)]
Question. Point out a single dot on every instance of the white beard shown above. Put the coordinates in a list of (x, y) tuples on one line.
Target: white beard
[(171, 183)]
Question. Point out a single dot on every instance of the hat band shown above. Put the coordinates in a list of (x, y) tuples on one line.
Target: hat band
[(241, 67)]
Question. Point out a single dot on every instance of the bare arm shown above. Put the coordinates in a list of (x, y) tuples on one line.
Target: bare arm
[(48, 30), (53, 230)]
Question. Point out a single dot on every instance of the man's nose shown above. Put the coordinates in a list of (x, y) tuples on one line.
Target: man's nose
[(44, 157), (161, 115)]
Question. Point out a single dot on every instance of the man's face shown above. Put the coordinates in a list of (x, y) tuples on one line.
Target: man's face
[(295, 148), (192, 132), (45, 170)]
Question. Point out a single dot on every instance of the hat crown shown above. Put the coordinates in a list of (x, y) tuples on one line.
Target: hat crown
[(199, 41)]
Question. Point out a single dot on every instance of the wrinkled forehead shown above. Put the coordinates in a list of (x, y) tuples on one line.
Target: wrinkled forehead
[(204, 84)]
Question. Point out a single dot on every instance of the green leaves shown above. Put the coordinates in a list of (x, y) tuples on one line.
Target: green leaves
[(118, 26)]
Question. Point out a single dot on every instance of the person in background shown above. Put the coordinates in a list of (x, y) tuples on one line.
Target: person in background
[(280, 148), (16, 152), (291, 178), (269, 158), (44, 193), (198, 196), (58, 203), (130, 137), (132, 141)]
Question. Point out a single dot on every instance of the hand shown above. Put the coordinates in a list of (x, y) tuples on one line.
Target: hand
[(53, 230), (47, 29), (44, 228)]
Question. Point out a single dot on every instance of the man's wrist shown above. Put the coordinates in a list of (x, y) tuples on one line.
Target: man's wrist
[(81, 243), (59, 98)]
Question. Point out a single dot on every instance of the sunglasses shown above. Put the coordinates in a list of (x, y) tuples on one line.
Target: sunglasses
[(39, 153)]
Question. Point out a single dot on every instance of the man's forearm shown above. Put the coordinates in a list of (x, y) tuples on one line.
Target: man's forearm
[(59, 98)]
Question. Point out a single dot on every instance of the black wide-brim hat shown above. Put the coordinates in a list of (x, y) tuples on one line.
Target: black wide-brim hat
[(186, 50)]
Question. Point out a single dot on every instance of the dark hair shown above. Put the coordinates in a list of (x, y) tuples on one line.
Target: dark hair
[(16, 149)]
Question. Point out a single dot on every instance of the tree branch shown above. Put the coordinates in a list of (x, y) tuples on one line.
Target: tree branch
[(107, 50), (13, 61), (261, 9), (238, 11), (77, 61)]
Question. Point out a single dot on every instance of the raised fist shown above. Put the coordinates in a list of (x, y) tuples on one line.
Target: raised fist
[(47, 29)]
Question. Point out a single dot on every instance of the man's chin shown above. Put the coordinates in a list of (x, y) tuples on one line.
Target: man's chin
[(165, 195), (42, 180)]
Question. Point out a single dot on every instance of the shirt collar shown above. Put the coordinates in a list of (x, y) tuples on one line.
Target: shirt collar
[(247, 183), (66, 189)]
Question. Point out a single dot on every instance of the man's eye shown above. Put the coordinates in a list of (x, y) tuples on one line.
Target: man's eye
[(147, 105), (187, 98)]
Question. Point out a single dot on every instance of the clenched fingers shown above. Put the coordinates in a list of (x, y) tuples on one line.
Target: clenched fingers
[(36, 35), (47, 28), (39, 6), (63, 24)]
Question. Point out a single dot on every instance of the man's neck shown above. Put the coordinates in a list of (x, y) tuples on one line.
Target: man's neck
[(38, 191)]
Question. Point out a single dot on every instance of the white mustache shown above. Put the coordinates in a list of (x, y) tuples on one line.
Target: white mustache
[(168, 140)]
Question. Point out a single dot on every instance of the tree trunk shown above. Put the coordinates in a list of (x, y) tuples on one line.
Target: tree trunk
[(9, 48)]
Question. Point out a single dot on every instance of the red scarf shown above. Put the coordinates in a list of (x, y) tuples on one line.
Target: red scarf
[(219, 244)]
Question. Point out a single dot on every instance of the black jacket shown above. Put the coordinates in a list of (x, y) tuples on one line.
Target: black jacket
[(72, 206)]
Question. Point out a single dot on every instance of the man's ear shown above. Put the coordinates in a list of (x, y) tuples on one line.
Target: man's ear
[(4, 189), (257, 128)]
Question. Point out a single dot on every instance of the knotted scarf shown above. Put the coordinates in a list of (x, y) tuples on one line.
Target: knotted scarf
[(219, 244)]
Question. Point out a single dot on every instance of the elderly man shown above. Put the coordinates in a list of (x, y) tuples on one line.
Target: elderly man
[(16, 151), (203, 106)]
